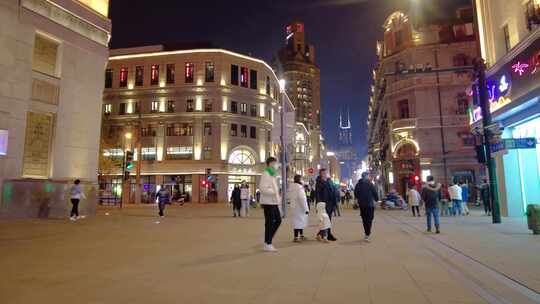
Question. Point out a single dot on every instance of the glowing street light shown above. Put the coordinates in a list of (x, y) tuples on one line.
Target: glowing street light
[(128, 135)]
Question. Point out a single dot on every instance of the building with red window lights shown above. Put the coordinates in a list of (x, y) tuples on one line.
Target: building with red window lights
[(418, 117), (199, 121)]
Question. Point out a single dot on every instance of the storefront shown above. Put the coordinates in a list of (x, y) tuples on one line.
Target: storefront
[(514, 94)]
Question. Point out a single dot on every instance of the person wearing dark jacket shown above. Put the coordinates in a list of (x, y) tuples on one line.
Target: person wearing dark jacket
[(325, 193), (431, 194), (236, 200), (366, 195)]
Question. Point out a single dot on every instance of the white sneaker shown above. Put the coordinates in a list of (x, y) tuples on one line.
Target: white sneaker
[(367, 239), (269, 248), (73, 219)]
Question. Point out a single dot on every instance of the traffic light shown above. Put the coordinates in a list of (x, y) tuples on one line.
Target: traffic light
[(129, 161), (204, 183), (208, 171), (416, 178), (481, 155)]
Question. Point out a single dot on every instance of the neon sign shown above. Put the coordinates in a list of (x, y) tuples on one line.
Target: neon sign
[(520, 68), (498, 93)]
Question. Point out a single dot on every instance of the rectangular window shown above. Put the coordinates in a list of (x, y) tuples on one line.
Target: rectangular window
[(207, 153), (243, 131), (123, 77), (207, 105), (45, 55), (252, 132), (244, 77), (403, 109), (148, 131), (107, 109), (234, 107), (234, 74), (180, 129), (190, 106), (267, 85), (207, 129), (139, 76), (170, 73), (190, 70), (185, 152), (243, 109), (234, 129), (123, 108), (253, 110), (209, 72), (108, 78), (155, 106), (253, 79), (148, 153), (154, 74), (506, 33), (170, 106)]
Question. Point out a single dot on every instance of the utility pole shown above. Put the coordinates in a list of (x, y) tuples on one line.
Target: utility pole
[(283, 150), (138, 185), (480, 73), (480, 69), (441, 120)]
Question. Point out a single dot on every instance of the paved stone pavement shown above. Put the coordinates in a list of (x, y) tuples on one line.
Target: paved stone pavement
[(200, 254)]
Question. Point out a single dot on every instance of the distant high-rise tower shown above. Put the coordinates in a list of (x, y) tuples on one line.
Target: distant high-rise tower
[(345, 131), (346, 152), (296, 64)]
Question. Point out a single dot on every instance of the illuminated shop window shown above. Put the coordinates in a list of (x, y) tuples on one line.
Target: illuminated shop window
[(154, 74), (123, 77), (244, 77), (189, 71)]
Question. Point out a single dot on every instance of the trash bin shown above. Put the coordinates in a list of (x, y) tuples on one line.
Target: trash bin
[(533, 218)]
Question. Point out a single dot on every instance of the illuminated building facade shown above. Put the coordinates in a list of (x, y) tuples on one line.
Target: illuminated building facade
[(52, 57), (296, 64), (346, 153), (188, 113), (418, 122), (510, 44)]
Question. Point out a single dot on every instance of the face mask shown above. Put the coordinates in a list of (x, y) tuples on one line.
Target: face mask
[(275, 166)]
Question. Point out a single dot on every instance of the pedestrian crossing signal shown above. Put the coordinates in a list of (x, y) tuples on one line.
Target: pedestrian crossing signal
[(129, 160)]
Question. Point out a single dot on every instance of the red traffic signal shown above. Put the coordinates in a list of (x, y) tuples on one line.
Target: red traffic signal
[(416, 178), (204, 183)]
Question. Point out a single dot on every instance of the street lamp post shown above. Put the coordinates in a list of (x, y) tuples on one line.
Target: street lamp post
[(283, 149)]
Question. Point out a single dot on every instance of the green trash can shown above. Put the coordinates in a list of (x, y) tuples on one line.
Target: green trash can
[(533, 218)]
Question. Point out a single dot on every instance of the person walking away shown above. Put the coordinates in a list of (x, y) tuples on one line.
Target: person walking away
[(300, 210), (339, 200), (414, 200), (270, 201), (366, 195), (307, 191), (464, 196), (236, 199), (486, 199), (348, 197), (324, 193), (163, 198), (431, 194), (324, 223), (244, 197), (76, 194), (455, 196)]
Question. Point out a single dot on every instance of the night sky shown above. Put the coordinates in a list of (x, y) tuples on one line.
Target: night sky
[(344, 33)]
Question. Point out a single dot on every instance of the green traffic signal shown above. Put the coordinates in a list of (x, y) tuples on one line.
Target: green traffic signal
[(129, 166)]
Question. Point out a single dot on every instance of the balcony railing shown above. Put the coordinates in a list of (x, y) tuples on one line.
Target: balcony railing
[(429, 122), (427, 81), (402, 124)]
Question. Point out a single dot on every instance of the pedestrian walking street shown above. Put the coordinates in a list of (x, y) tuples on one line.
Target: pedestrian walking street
[(201, 254)]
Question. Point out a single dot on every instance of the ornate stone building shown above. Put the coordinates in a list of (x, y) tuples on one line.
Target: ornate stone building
[(52, 57), (418, 112), (199, 121)]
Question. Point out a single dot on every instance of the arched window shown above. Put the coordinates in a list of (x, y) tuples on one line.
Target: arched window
[(242, 157)]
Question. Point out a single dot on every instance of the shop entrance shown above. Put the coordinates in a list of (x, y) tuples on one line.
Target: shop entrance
[(237, 180)]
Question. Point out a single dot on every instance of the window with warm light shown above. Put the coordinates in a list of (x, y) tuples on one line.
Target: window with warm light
[(170, 73), (148, 153), (154, 74), (189, 72), (107, 109), (209, 72), (244, 74), (155, 106), (242, 157), (139, 76), (123, 77), (243, 108), (175, 153)]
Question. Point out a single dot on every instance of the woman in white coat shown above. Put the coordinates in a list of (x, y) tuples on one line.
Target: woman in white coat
[(300, 209)]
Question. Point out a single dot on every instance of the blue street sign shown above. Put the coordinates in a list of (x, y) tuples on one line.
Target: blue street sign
[(514, 143)]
